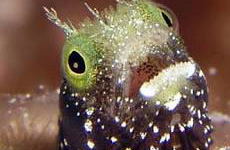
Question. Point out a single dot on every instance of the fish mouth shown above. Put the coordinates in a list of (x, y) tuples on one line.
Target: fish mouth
[(166, 86)]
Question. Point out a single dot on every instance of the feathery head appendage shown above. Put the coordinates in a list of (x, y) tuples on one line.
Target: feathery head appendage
[(97, 14), (128, 15), (94, 12), (68, 28), (116, 27)]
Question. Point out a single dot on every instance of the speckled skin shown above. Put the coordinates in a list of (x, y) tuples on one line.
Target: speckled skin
[(143, 91)]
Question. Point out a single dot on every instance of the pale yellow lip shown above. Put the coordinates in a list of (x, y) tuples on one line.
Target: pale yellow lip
[(165, 87)]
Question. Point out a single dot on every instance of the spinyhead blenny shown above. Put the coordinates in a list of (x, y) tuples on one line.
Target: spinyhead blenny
[(129, 83)]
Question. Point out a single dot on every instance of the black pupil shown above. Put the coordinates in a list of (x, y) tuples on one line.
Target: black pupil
[(167, 20), (76, 63)]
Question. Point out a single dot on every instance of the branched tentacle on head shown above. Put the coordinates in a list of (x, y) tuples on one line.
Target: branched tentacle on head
[(68, 28)]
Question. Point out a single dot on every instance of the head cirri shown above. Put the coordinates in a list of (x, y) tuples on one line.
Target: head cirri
[(129, 83)]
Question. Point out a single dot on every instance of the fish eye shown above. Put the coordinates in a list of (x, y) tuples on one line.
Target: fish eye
[(167, 19), (168, 16), (79, 64), (76, 63)]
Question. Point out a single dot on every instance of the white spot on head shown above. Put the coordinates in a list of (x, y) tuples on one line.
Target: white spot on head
[(155, 129), (73, 95), (201, 74), (158, 102), (131, 100), (202, 91), (90, 111), (84, 99), (204, 105), (204, 116), (194, 110), (165, 138), (113, 139), (126, 99), (88, 125), (117, 119), (191, 108), (209, 140), (198, 93), (208, 127), (157, 25), (181, 127), (150, 124), (118, 99), (157, 113), (131, 130), (133, 119), (200, 121), (172, 128), (205, 131), (206, 144), (190, 123), (153, 148), (61, 145), (65, 142), (123, 124), (90, 144), (184, 96), (173, 38), (143, 135), (199, 114)]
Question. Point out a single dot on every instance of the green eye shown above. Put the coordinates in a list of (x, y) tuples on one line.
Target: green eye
[(168, 16), (79, 63), (76, 63), (167, 19)]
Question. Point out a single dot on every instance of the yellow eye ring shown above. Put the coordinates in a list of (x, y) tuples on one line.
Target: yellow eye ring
[(78, 63), (169, 17)]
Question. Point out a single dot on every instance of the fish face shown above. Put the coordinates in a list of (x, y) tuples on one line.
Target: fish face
[(129, 83)]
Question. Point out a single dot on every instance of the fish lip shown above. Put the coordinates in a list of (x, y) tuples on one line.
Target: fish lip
[(158, 89)]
